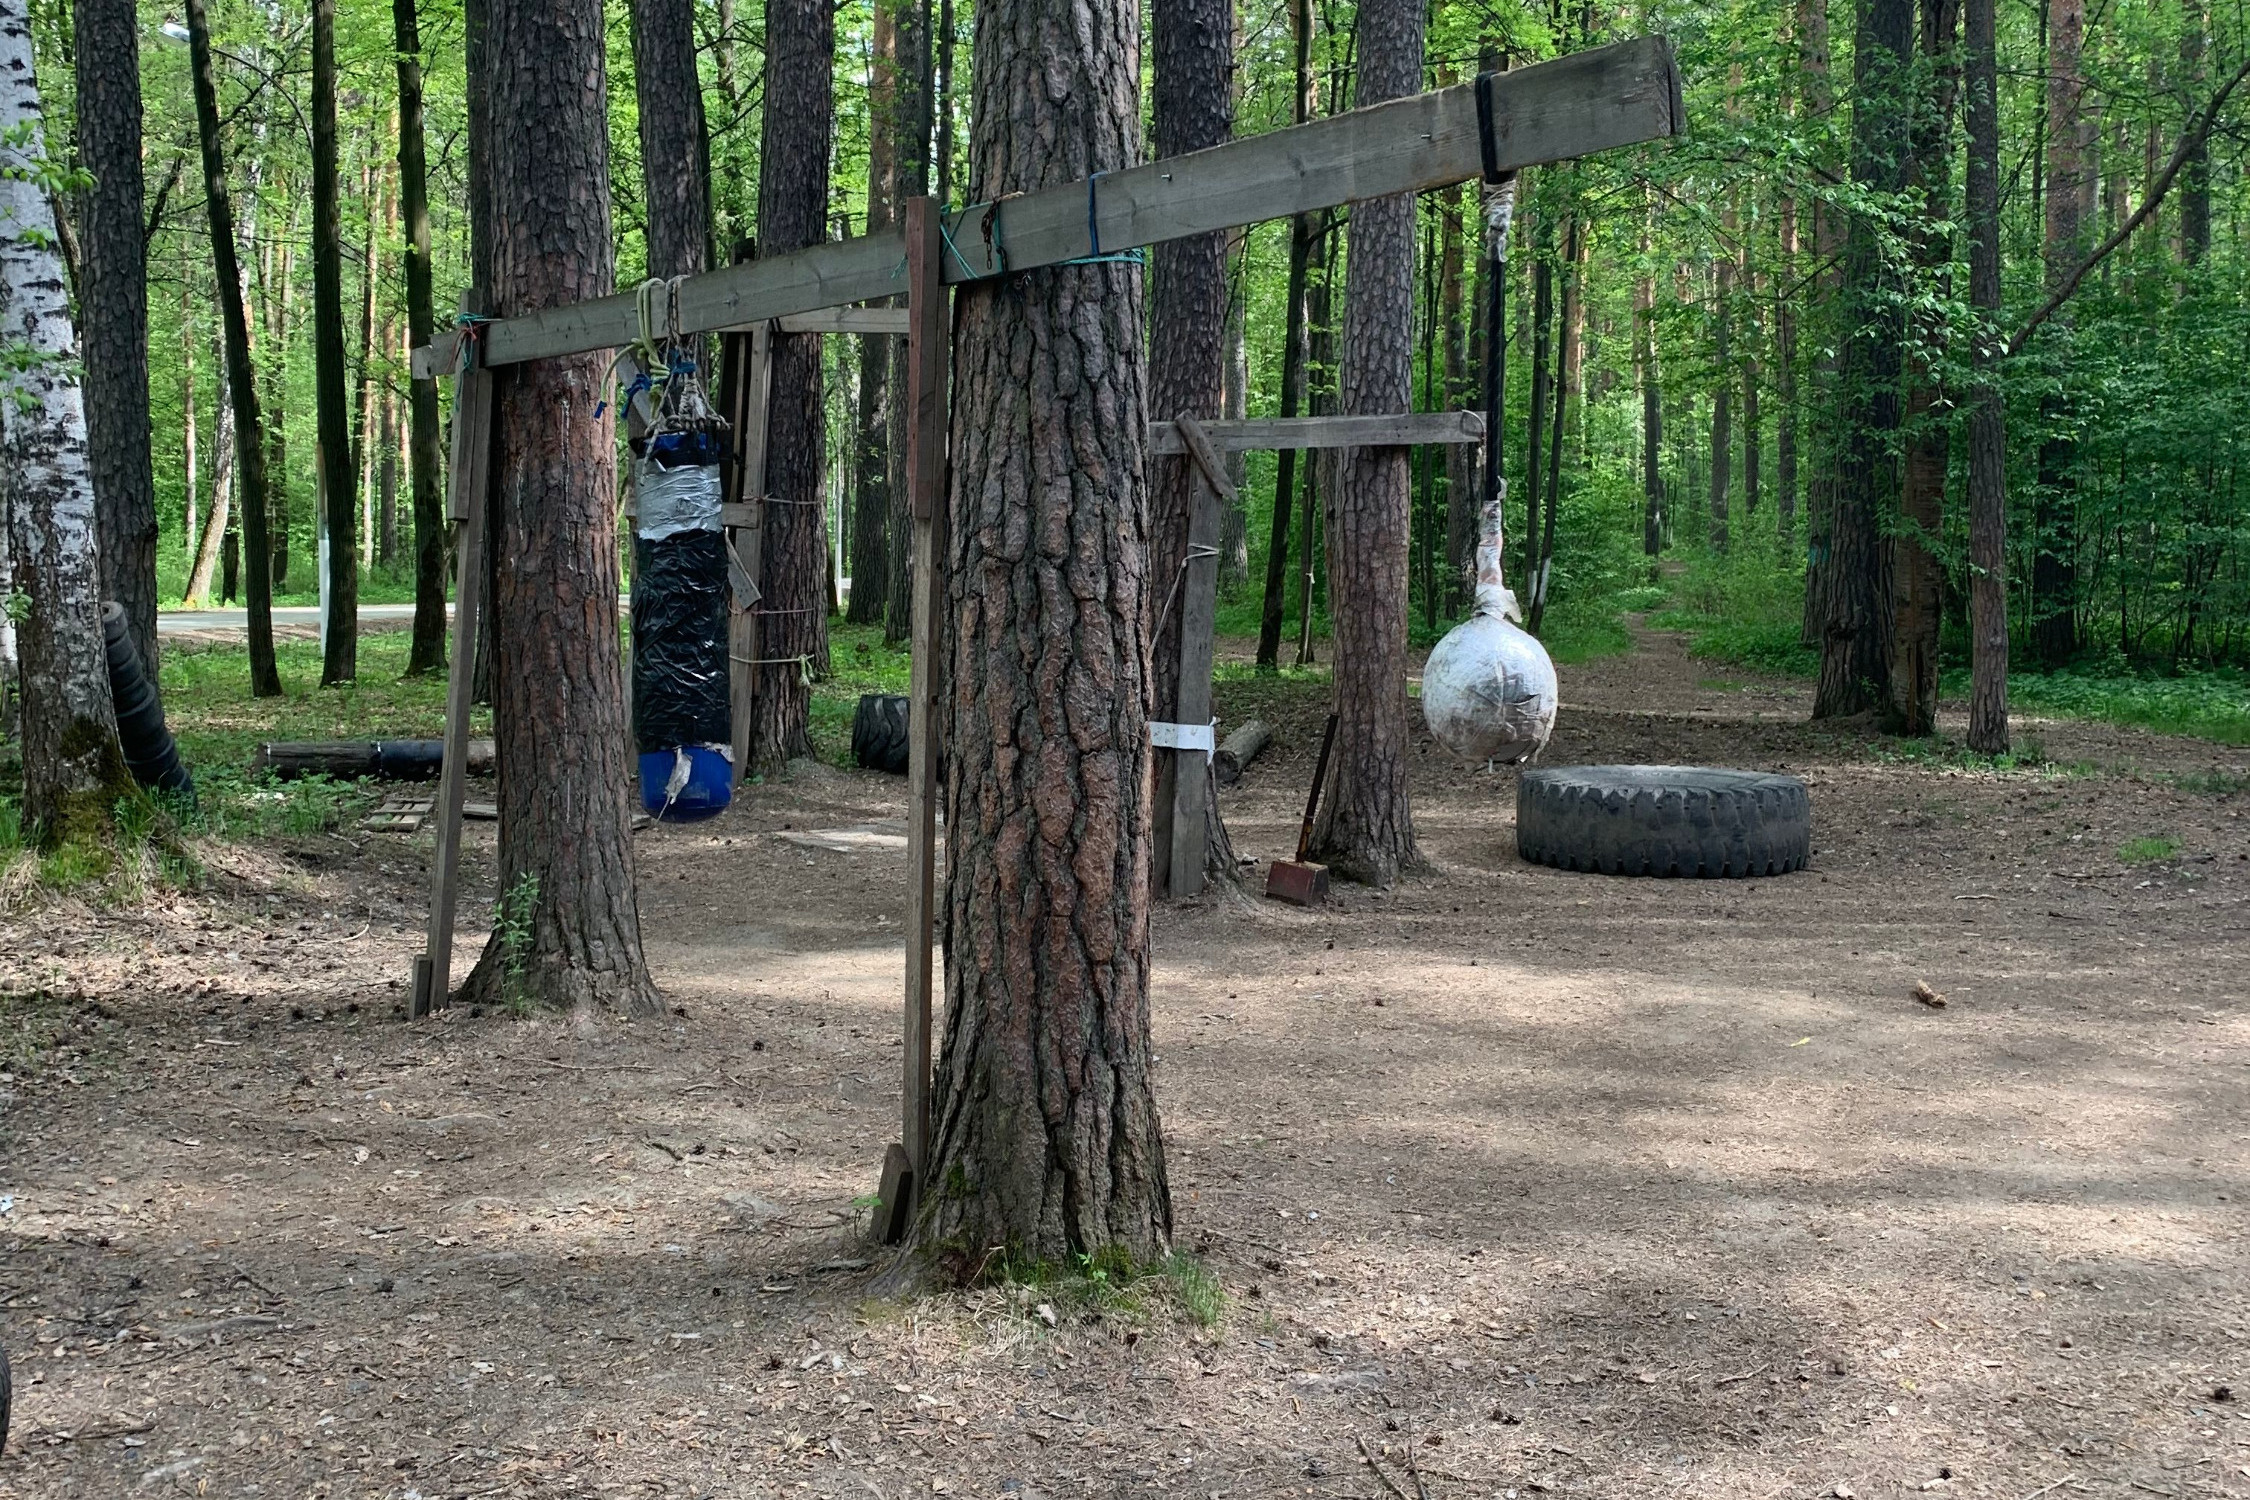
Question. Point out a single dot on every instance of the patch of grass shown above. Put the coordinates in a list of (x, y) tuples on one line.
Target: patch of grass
[(1646, 596), (858, 662), (2028, 758), (2214, 783), (1770, 646), (1111, 1283), (2149, 849), (207, 705), (2212, 704)]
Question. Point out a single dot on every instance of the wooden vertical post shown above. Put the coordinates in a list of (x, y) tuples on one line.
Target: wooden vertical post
[(746, 541), (465, 509), (928, 347), (1191, 778)]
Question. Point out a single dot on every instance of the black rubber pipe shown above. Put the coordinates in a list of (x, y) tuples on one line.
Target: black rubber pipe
[(150, 753)]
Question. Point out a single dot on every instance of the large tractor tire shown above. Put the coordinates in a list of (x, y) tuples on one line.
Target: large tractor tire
[(879, 732), (1663, 820)]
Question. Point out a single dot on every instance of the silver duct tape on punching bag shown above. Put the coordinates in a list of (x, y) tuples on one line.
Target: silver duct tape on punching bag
[(1488, 690)]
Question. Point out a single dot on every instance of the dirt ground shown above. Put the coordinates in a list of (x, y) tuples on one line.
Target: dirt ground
[(1550, 1183)]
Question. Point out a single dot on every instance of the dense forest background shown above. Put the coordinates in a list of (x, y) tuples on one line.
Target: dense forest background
[(1680, 405)]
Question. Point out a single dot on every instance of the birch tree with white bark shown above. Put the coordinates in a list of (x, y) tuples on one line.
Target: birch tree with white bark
[(73, 771)]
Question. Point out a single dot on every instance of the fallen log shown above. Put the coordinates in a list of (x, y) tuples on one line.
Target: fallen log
[(1239, 749), (355, 760)]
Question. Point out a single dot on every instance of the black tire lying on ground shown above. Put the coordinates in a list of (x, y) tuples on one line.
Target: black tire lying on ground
[(1663, 820), (879, 732)]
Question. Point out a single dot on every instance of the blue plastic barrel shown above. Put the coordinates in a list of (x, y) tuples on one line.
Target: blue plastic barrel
[(686, 783)]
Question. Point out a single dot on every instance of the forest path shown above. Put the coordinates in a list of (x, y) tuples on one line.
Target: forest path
[(1608, 1187)]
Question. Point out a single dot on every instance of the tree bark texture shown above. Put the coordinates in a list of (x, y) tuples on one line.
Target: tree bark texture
[(241, 374), (1917, 577), (670, 95), (1302, 230), (1366, 827), (2054, 560), (911, 153), (1785, 383), (1045, 1137), (73, 771), (1187, 350), (1234, 405), (1855, 628), (190, 459), (339, 498), (277, 294), (2195, 174), (871, 553), (793, 213), (558, 700), (374, 200), (1722, 401), (1273, 610), (1652, 410), (1988, 415), (1459, 390), (427, 652), (113, 308)]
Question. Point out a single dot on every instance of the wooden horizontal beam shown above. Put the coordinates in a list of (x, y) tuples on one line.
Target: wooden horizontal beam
[(847, 320), (1574, 106), (1258, 434)]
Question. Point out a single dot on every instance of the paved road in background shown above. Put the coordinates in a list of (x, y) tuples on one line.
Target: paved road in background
[(303, 616)]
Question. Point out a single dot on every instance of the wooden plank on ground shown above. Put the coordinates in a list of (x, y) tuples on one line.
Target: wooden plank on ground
[(927, 351), (1573, 106), (1263, 434), (1191, 772), (472, 453)]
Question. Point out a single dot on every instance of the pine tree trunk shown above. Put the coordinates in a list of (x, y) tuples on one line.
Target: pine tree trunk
[(558, 702), (1567, 326), (1918, 579), (203, 540), (73, 771), (363, 424), (113, 307), (387, 467), (914, 85), (1318, 476), (277, 298), (1855, 630), (871, 459), (1458, 229), (1187, 350), (1652, 414), (792, 213), (339, 497), (1045, 1137), (241, 375), (1988, 433), (426, 654), (670, 96), (2054, 563), (2195, 172), (1302, 229), (1722, 401), (1234, 405), (1535, 446), (1785, 384), (1753, 433), (1366, 828)]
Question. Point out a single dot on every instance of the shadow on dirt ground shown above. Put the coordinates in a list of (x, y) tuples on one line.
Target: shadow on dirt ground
[(1515, 1181)]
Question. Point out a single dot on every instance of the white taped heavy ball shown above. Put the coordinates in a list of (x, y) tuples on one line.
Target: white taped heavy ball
[(1488, 692)]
